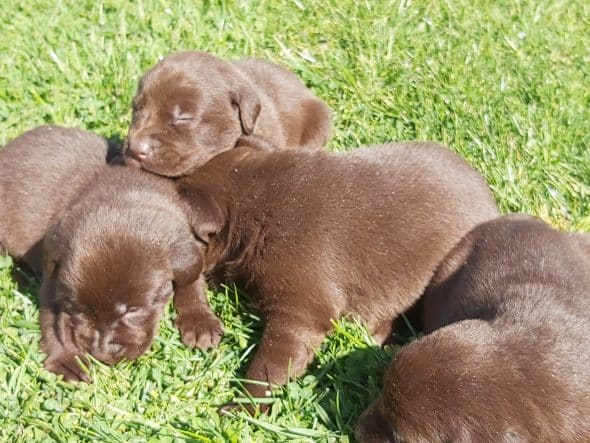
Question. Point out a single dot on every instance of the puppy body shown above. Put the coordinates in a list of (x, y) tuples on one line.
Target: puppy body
[(192, 106), (313, 236), (511, 359), (116, 255), (41, 171)]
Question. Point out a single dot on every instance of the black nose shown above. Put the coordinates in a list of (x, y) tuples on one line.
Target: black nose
[(140, 150)]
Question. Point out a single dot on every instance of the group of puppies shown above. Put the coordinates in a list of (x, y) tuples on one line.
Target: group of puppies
[(223, 178)]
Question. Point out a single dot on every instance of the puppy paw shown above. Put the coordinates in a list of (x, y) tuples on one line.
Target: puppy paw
[(203, 332), (68, 366)]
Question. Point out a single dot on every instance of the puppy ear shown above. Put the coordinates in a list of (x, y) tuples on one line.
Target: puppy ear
[(205, 215), (248, 103), (52, 254), (51, 316)]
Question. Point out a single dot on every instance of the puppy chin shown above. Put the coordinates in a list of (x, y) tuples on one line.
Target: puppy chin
[(109, 359), (130, 161), (131, 352), (165, 170)]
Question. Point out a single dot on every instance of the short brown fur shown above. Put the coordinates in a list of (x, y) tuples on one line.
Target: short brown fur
[(116, 255), (41, 171), (509, 356), (315, 235), (192, 106)]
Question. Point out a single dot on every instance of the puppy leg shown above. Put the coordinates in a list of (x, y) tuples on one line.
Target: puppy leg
[(199, 326), (285, 350)]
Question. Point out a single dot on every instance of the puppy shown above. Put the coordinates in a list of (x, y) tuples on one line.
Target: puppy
[(111, 262), (40, 173), (511, 361), (193, 105), (313, 235)]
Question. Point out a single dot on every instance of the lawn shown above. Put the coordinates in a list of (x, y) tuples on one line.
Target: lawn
[(504, 83)]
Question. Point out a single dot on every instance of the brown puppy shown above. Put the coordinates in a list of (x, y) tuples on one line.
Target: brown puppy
[(313, 235), (193, 105), (40, 173), (111, 263), (516, 365)]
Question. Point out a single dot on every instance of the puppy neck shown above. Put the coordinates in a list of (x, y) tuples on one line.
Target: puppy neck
[(219, 198)]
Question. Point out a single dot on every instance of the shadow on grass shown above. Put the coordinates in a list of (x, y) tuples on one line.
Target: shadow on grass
[(26, 283), (343, 379)]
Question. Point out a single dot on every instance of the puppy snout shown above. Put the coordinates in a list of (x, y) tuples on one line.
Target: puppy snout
[(140, 149), (106, 348)]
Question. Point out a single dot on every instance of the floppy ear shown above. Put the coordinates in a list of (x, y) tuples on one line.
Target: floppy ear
[(52, 254), (204, 213), (248, 103), (51, 321), (51, 315)]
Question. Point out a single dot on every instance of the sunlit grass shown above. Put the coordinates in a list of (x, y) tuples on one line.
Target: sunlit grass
[(504, 83)]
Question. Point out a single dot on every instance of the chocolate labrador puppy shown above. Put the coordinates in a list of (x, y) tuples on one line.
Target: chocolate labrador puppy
[(511, 360), (41, 171), (192, 105), (313, 235), (116, 255)]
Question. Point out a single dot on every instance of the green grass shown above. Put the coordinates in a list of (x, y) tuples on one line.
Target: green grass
[(505, 83)]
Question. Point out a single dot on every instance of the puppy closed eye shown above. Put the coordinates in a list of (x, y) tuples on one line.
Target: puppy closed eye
[(133, 312), (182, 119)]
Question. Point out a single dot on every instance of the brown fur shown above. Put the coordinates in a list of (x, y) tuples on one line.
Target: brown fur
[(192, 105), (315, 235), (111, 263), (511, 360), (41, 171)]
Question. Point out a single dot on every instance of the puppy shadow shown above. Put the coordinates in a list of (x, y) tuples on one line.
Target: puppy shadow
[(339, 383), (27, 285), (349, 383), (353, 380), (115, 150)]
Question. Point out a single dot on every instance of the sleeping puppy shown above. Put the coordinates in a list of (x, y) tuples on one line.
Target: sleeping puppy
[(192, 105), (116, 255), (511, 360), (313, 235), (40, 173)]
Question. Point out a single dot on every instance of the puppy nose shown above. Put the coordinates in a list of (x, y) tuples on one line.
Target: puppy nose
[(105, 348), (140, 149)]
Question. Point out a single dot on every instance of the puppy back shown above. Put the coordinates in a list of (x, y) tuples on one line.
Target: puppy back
[(40, 173)]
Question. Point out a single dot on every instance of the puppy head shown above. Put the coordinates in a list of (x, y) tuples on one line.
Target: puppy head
[(190, 107), (111, 275)]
